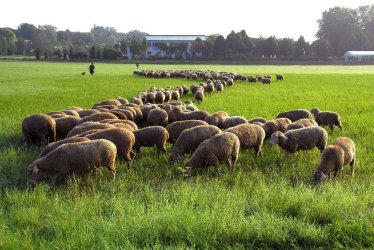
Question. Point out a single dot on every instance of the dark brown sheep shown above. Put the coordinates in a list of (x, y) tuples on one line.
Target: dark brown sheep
[(295, 115), (160, 97), (190, 115), (176, 128), (153, 136), (64, 125), (97, 117), (39, 128), (233, 121), (86, 112), (157, 117), (114, 102), (150, 97), (217, 118), (327, 118), (279, 124)]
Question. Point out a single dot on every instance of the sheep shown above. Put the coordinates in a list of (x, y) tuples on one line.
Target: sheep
[(211, 152), (258, 119), (233, 121), (137, 101), (145, 110), (114, 102), (302, 123), (295, 115), (175, 95), (71, 112), (138, 113), (86, 112), (127, 112), (230, 82), (279, 77), (250, 136), (176, 128), (120, 115), (300, 139), (190, 139), (210, 88), (126, 124), (272, 126), (167, 94), (64, 125), (266, 80), (328, 118), (124, 140), (150, 137), (185, 90), (150, 97), (52, 146), (108, 107), (252, 79), (194, 88), (190, 106), (217, 118), (191, 115), (97, 117), (79, 129), (219, 87), (157, 117), (39, 128), (160, 97), (57, 114), (199, 96), (340, 152), (73, 108), (68, 158), (122, 100)]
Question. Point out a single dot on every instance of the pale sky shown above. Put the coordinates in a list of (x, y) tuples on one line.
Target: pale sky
[(282, 18)]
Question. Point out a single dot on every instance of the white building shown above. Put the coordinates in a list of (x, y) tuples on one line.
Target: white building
[(359, 56), (171, 45)]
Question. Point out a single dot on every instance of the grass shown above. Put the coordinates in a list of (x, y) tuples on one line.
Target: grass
[(265, 203)]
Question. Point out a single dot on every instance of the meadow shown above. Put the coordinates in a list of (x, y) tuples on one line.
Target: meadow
[(266, 203)]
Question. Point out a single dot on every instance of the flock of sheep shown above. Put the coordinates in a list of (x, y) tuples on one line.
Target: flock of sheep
[(80, 140)]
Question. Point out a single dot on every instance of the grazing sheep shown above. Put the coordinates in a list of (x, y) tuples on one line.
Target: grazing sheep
[(137, 101), (145, 110), (73, 108), (157, 117), (150, 97), (217, 118), (167, 94), (250, 136), (120, 115), (199, 96), (190, 106), (39, 128), (107, 107), (71, 112), (52, 146), (194, 88), (190, 115), (97, 117), (68, 158), (129, 113), (219, 87), (295, 115), (258, 119), (87, 126), (190, 139), (175, 95), (266, 80), (327, 118), (252, 79), (210, 88), (121, 123), (230, 82), (233, 121), (124, 140), (300, 139), (176, 128), (154, 136), (272, 126), (86, 112), (114, 102), (122, 100), (211, 152), (279, 77), (340, 152), (185, 90), (302, 123), (64, 125), (160, 97), (57, 114)]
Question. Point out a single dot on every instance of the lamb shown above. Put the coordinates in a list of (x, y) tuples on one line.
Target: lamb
[(83, 156), (176, 128), (302, 123), (300, 139), (52, 146), (327, 118), (64, 125), (199, 96), (221, 147), (272, 126), (150, 137), (39, 128), (79, 129), (86, 112), (124, 140), (217, 118), (233, 121), (98, 117), (340, 152), (295, 115), (190, 139), (250, 136), (157, 117)]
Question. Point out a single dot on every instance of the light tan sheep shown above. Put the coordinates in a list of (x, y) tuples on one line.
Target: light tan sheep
[(176, 128)]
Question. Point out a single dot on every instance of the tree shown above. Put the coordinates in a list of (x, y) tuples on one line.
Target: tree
[(105, 35), (137, 42), (322, 48), (27, 31), (234, 44), (301, 47), (198, 46), (219, 46), (9, 40), (270, 47), (286, 47)]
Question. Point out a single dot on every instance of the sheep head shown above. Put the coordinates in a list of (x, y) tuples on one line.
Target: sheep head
[(315, 111), (318, 177), (32, 174), (277, 138)]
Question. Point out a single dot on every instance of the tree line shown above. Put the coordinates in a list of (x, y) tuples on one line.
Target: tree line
[(340, 29)]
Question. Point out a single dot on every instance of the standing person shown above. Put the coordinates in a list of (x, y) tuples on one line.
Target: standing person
[(137, 65), (92, 69)]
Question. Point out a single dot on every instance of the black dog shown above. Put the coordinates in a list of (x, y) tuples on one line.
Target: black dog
[(83, 73)]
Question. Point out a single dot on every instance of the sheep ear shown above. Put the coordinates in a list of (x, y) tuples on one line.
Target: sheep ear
[(35, 169)]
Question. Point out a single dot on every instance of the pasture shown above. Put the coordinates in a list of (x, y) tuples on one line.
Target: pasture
[(266, 203)]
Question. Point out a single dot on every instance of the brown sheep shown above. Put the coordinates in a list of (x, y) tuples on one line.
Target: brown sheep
[(176, 128), (71, 112), (199, 96), (73, 108), (145, 110), (86, 112), (128, 113), (114, 102), (327, 118), (57, 114), (194, 88), (302, 123), (52, 146), (300, 139), (150, 97), (122, 100), (64, 125), (233, 121), (157, 117), (87, 126), (340, 152), (120, 115), (295, 115), (124, 140), (98, 117), (190, 115), (273, 126), (160, 97), (75, 157), (279, 77), (39, 128), (120, 124), (217, 118), (175, 95), (137, 101), (250, 136), (154, 136), (190, 139), (211, 152), (258, 119), (219, 87)]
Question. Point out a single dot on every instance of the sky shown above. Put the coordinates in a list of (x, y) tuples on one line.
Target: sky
[(280, 18)]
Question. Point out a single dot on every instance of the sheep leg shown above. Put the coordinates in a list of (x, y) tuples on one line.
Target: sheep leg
[(340, 127), (132, 154), (258, 151), (351, 164), (332, 128), (113, 172)]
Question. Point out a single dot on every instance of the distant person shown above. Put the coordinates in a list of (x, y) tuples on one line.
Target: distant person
[(137, 65), (92, 69)]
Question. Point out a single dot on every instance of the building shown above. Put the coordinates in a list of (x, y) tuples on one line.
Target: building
[(359, 56), (172, 46)]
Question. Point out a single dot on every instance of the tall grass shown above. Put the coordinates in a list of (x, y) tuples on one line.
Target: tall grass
[(265, 203)]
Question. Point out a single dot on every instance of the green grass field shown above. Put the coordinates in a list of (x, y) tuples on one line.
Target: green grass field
[(265, 203)]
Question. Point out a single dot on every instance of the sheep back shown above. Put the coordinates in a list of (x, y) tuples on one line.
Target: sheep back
[(176, 128), (295, 115), (233, 121)]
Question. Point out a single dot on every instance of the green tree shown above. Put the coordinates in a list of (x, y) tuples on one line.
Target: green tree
[(27, 31), (286, 47), (301, 47), (270, 46), (137, 42), (322, 48), (219, 46), (9, 39), (197, 46)]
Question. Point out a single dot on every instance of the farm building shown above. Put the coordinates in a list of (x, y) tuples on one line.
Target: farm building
[(173, 46), (359, 56)]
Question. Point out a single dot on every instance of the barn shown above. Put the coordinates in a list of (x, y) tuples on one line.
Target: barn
[(359, 56)]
